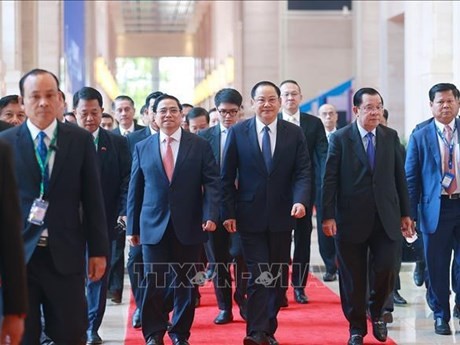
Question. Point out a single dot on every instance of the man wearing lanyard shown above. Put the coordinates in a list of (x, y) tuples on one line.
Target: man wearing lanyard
[(433, 181), (57, 169)]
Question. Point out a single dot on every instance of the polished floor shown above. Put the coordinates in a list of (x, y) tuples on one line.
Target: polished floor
[(413, 323)]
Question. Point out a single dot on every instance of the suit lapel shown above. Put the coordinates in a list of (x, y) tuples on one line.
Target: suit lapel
[(156, 154), (215, 143), (281, 131), (379, 148), (251, 133), (184, 149), (433, 144), (358, 146), (102, 149), (63, 143), (27, 148)]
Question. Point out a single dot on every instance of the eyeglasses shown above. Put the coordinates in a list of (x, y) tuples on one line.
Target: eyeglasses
[(231, 112), (369, 109)]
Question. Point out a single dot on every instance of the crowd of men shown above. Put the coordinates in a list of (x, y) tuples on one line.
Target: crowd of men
[(194, 192)]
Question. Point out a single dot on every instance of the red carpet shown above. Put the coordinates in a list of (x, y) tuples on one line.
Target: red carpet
[(321, 321)]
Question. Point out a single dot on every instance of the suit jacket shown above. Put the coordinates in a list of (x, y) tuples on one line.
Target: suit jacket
[(115, 168), (74, 184), (5, 125), (264, 198), (191, 198), (12, 266), (353, 194), (212, 136), (136, 128), (137, 136), (424, 173)]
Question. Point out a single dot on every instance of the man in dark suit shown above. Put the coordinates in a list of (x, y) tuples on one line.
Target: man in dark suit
[(124, 111), (173, 200), (270, 158), (365, 206), (56, 165), (134, 264), (13, 299), (432, 156), (221, 242), (313, 129), (114, 166)]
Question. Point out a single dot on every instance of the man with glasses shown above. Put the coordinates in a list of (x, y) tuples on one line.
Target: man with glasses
[(366, 208)]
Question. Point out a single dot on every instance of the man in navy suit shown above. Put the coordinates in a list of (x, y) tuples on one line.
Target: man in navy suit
[(173, 199), (270, 158), (63, 210), (115, 166), (313, 129), (432, 157), (366, 207)]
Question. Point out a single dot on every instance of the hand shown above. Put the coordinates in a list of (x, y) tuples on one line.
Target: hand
[(407, 227), (122, 220), (209, 226), (133, 240), (96, 267), (12, 330), (298, 210), (230, 225), (329, 227)]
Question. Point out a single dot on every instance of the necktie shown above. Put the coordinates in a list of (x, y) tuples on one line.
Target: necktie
[(125, 133), (43, 152), (168, 159), (370, 150), (267, 149), (448, 134)]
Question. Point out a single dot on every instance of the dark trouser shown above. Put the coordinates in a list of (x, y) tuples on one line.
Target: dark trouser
[(353, 266), (62, 298), (135, 269), (266, 254), (302, 242), (117, 263), (326, 245)]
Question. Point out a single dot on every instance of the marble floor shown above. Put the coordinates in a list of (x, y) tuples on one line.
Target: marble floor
[(413, 323)]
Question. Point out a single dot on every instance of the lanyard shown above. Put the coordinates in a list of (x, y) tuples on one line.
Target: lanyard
[(44, 165), (450, 145)]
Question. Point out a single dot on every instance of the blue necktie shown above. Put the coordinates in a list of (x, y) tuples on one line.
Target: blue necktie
[(370, 150), (43, 152), (267, 148)]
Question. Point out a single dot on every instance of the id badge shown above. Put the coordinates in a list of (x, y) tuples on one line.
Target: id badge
[(447, 180), (38, 211)]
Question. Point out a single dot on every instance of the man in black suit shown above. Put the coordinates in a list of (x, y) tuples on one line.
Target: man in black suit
[(313, 129), (366, 207), (270, 158), (115, 166), (124, 111), (13, 300), (62, 205), (222, 243)]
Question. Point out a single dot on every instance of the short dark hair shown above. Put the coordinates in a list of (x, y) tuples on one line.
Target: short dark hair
[(10, 99), (143, 109), (264, 83), (122, 98), (197, 112), (35, 71), (385, 114), (62, 94), (187, 105), (228, 95), (87, 93), (290, 81), (163, 97), (153, 95), (358, 96), (107, 116), (70, 113), (443, 87)]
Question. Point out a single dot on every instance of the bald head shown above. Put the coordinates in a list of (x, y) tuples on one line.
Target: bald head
[(328, 115)]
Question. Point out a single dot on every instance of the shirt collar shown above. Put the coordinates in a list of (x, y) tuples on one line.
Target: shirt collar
[(296, 115), (130, 129), (152, 131), (441, 125), (222, 128), (176, 135), (96, 133), (363, 132), (260, 125), (34, 130)]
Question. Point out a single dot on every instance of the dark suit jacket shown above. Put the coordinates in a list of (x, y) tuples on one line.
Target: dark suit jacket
[(264, 199), (136, 128), (137, 136), (74, 183), (190, 199), (352, 194), (212, 136), (5, 125), (12, 266), (115, 168)]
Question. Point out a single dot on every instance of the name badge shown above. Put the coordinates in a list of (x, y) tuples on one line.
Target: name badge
[(447, 180), (38, 211)]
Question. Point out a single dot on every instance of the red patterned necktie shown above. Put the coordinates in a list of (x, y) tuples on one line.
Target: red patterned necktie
[(168, 159)]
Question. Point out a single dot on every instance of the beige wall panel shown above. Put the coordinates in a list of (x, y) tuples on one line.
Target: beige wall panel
[(154, 45)]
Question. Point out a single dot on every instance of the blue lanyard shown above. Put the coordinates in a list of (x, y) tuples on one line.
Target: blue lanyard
[(44, 164), (450, 145)]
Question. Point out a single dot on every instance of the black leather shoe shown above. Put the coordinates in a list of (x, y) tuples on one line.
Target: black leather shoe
[(177, 341), (398, 299), (379, 330), (387, 317), (272, 340), (456, 311), (441, 327), (115, 297), (257, 338), (155, 339), (93, 338), (137, 318), (284, 302), (224, 316), (300, 296), (329, 277), (419, 273), (355, 339)]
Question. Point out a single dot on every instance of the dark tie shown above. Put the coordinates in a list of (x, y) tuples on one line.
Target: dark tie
[(42, 150), (267, 148), (370, 150)]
